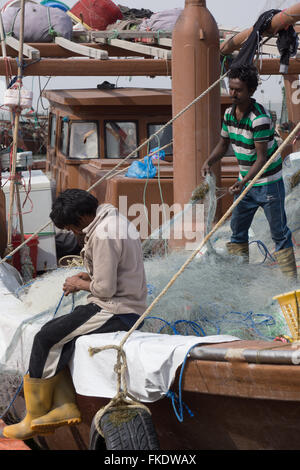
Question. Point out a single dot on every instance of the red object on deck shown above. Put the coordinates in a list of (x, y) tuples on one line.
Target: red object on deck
[(11, 444), (97, 14), (33, 249)]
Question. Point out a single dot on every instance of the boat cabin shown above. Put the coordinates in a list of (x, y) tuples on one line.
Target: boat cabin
[(101, 126), (92, 130)]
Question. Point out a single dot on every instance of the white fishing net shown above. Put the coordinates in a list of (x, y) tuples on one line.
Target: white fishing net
[(218, 293)]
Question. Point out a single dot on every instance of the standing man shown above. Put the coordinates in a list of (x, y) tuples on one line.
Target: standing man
[(249, 129), (116, 282)]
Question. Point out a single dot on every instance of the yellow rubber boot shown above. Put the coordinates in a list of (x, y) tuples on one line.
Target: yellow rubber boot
[(239, 249), (38, 394), (286, 262), (64, 410)]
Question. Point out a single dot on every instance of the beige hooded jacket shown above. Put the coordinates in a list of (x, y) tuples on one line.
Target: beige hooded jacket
[(113, 258)]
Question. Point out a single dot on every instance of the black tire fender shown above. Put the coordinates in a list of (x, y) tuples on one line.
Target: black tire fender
[(129, 429)]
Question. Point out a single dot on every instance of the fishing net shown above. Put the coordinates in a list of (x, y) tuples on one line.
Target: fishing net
[(218, 293), (215, 296)]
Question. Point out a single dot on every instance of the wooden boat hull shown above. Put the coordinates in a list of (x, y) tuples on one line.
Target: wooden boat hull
[(237, 405)]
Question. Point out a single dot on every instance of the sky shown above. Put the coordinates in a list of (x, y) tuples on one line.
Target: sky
[(232, 13)]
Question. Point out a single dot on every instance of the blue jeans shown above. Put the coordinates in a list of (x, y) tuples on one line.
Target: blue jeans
[(271, 198)]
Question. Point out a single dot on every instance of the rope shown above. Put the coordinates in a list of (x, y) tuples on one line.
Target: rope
[(51, 30), (11, 32), (119, 402), (178, 399), (71, 261)]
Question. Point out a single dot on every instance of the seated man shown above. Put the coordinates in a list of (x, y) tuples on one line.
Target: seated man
[(116, 281)]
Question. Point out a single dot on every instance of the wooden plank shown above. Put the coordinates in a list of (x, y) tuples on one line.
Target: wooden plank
[(137, 47), (87, 67), (119, 67), (80, 49), (131, 97), (165, 42), (28, 51), (52, 50), (129, 34)]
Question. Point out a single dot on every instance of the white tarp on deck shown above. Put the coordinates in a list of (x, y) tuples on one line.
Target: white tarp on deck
[(152, 361)]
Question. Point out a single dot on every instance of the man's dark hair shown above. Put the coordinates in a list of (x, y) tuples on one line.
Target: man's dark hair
[(247, 74), (70, 205)]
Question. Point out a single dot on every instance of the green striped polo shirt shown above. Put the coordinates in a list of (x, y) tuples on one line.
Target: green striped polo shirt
[(255, 126)]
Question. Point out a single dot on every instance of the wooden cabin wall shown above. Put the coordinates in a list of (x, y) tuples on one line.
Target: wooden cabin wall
[(66, 171), (70, 173)]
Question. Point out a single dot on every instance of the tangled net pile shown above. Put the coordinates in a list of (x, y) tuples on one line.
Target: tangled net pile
[(218, 293)]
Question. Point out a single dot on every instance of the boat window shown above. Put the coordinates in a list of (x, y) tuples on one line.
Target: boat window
[(120, 139), (53, 130), (163, 138), (64, 136), (83, 140)]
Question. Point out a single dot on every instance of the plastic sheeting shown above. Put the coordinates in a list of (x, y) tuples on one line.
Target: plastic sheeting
[(161, 21), (152, 361)]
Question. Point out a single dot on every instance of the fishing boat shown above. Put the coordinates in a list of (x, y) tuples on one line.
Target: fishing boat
[(224, 386)]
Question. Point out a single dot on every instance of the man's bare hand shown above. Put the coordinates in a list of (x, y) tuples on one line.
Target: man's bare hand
[(72, 284), (236, 188), (83, 275), (80, 281)]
